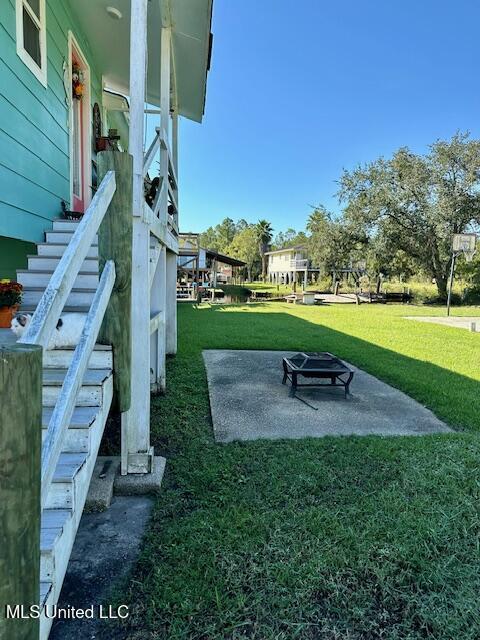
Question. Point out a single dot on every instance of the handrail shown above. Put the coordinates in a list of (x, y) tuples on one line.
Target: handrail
[(173, 197), (55, 295), (151, 153), (65, 405), (298, 264), (158, 198)]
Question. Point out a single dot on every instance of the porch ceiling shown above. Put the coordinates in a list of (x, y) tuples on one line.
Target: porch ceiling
[(109, 41)]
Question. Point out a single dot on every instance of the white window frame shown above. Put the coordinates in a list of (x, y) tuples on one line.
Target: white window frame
[(39, 72)]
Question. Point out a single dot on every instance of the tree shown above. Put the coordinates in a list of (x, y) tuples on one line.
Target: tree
[(264, 238), (289, 238), (332, 244), (245, 247), (416, 203), (219, 237)]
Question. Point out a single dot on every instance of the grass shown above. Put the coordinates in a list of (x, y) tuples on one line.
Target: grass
[(421, 290), (335, 538)]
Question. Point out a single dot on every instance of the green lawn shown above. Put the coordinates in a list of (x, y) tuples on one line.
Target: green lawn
[(335, 538), (420, 290)]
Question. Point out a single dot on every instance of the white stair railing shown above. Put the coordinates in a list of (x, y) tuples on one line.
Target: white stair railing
[(58, 289), (48, 312), (65, 405)]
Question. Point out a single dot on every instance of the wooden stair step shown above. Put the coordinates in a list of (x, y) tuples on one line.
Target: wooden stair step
[(30, 308), (69, 464), (35, 278), (53, 527), (57, 249), (90, 393), (45, 588), (101, 358), (52, 524), (50, 263), (76, 298), (63, 237), (83, 417), (92, 377)]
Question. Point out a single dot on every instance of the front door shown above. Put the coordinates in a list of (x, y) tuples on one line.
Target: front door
[(79, 116)]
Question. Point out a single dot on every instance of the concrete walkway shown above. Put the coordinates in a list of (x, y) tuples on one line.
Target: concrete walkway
[(249, 402), (7, 336), (105, 550), (458, 322)]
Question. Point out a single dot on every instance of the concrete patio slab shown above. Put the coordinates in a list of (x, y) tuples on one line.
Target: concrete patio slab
[(248, 402), (458, 322)]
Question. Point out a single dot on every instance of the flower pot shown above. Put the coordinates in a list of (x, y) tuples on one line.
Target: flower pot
[(6, 315)]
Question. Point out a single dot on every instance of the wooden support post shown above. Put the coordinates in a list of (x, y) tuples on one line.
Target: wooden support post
[(171, 303), (158, 342), (21, 438), (115, 243), (137, 454)]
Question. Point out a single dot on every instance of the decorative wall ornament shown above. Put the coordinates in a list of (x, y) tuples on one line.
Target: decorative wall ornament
[(78, 85)]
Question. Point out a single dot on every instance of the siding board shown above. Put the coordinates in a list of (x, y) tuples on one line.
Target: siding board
[(23, 161), (34, 135)]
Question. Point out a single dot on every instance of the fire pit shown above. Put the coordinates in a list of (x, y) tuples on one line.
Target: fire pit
[(322, 366)]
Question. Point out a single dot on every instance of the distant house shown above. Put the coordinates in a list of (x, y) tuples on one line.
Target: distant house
[(286, 266), (205, 266)]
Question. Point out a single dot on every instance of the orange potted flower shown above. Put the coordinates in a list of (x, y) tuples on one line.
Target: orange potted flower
[(10, 298)]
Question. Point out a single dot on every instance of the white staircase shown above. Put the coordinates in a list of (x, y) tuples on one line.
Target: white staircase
[(69, 486)]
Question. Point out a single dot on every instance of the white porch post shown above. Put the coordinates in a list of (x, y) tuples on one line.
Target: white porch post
[(158, 302), (136, 450), (171, 262), (171, 303)]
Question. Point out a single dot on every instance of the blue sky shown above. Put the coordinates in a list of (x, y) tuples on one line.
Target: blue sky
[(300, 89)]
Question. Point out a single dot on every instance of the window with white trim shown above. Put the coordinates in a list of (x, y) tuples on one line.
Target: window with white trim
[(32, 37)]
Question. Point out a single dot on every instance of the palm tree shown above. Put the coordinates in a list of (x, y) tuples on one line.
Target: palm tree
[(264, 234)]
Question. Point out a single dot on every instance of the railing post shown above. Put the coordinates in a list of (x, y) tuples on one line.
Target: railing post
[(158, 302), (21, 436), (115, 243), (171, 304)]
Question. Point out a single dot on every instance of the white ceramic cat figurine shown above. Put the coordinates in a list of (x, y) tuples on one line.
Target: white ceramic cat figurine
[(67, 333)]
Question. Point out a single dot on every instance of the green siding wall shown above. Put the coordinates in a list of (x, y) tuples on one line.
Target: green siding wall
[(13, 256), (34, 136)]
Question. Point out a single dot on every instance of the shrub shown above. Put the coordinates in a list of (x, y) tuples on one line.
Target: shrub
[(10, 293)]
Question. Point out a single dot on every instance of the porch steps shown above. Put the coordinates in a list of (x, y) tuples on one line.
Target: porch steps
[(77, 298), (50, 263), (62, 237), (69, 487), (34, 278), (57, 249)]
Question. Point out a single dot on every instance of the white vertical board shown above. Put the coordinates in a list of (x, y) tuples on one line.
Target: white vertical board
[(171, 303), (159, 304), (136, 450)]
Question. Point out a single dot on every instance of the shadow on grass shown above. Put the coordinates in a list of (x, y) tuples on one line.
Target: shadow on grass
[(451, 396)]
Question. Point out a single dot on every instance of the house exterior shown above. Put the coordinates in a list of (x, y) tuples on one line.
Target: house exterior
[(90, 97), (40, 164), (286, 266), (47, 138)]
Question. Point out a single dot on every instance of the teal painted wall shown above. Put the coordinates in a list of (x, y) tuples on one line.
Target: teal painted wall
[(34, 136)]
